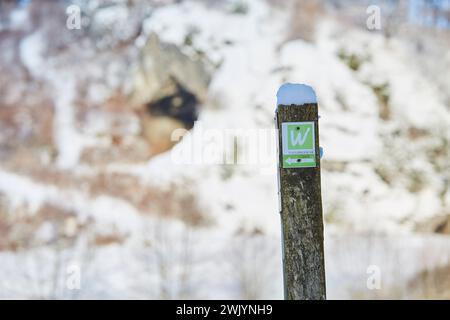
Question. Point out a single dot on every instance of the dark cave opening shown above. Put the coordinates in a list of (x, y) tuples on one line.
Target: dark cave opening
[(181, 105)]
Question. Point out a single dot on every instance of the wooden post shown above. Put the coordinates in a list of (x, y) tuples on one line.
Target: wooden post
[(300, 201)]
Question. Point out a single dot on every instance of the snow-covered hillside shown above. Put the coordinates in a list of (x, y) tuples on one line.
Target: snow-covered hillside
[(356, 138), (89, 178)]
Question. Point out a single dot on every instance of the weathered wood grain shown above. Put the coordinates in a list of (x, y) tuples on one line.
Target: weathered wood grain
[(301, 216)]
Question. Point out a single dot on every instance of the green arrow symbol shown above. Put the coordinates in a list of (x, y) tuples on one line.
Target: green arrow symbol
[(291, 161)]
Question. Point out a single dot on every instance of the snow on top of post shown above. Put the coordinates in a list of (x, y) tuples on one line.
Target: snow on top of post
[(293, 93)]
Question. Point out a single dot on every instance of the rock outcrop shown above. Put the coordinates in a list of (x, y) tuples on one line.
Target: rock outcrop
[(168, 88)]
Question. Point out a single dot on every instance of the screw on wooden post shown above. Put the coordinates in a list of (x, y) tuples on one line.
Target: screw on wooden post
[(300, 194)]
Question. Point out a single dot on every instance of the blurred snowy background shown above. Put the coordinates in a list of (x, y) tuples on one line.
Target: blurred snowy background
[(92, 204)]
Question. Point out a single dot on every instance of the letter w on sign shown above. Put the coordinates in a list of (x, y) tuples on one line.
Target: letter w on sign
[(299, 140)]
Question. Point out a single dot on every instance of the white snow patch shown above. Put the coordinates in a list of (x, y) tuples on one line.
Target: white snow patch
[(19, 19), (108, 212), (31, 53), (293, 93), (68, 140), (21, 190)]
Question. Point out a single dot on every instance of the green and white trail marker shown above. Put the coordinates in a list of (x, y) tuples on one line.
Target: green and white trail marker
[(298, 144)]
